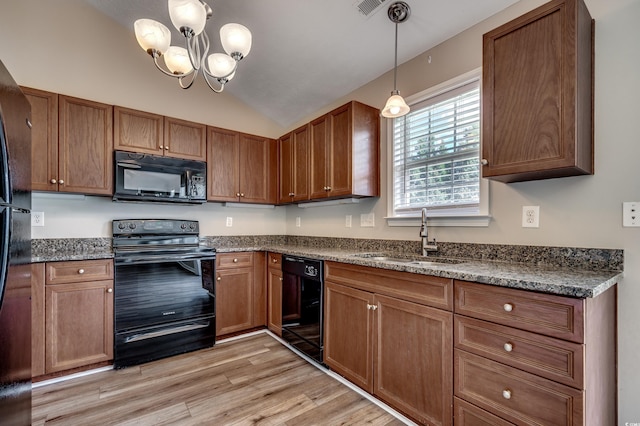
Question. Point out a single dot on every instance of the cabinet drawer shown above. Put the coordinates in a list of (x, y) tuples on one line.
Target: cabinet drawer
[(234, 260), (515, 395), (555, 316), (275, 260), (78, 271), (554, 359), (466, 414)]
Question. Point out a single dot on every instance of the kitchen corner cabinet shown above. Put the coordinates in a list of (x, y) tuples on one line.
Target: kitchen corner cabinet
[(241, 300), (393, 341), (274, 293), (344, 153), (293, 150), (241, 168), (518, 351), (537, 100), (72, 144), (72, 315), (149, 133)]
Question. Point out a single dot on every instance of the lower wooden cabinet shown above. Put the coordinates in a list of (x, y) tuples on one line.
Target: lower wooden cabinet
[(72, 318), (240, 292), (396, 349), (274, 293)]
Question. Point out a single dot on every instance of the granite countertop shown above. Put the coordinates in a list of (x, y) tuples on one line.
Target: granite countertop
[(581, 273)]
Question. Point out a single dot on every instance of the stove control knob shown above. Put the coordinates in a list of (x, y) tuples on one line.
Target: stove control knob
[(183, 226), (121, 226), (132, 226), (192, 226)]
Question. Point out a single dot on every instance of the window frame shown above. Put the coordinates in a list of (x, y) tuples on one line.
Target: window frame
[(454, 216)]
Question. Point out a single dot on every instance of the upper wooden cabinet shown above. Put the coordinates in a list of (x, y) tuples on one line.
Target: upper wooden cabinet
[(294, 166), (241, 167), (344, 153), (537, 95), (155, 134)]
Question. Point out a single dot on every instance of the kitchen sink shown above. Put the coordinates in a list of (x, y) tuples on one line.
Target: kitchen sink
[(408, 261)]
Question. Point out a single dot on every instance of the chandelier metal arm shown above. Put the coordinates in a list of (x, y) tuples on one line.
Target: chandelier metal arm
[(206, 75)]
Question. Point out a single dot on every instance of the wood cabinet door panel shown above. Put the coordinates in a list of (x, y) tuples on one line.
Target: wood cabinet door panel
[(234, 260), (79, 324), (340, 152), (258, 160), (319, 158), (274, 314), (554, 359), (548, 314), (185, 139), (138, 131), (223, 157), (259, 289), (348, 334), (285, 169), (37, 320), (44, 139), (412, 359), (234, 300), (466, 414), (514, 395), (85, 146), (79, 271), (300, 162)]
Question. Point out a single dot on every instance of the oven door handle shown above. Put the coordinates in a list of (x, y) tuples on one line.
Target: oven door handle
[(166, 332), (136, 259)]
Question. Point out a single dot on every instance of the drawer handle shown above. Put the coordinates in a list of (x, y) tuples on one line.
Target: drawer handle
[(109, 290), (506, 394), (81, 271), (508, 347), (235, 260), (508, 307)]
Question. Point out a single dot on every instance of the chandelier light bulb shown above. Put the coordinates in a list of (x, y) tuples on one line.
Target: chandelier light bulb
[(188, 14), (395, 106), (236, 40), (152, 35), (177, 60)]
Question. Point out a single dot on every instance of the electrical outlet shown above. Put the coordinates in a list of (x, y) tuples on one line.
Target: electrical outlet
[(37, 218), (631, 213), (347, 221), (229, 221), (298, 222), (530, 216), (367, 220)]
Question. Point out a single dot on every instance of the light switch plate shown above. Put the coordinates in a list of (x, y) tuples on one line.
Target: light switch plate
[(37, 218), (229, 221), (631, 214)]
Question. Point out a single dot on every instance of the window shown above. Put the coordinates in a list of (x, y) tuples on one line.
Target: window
[(435, 153)]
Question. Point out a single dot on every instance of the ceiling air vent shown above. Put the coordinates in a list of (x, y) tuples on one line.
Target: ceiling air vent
[(368, 8)]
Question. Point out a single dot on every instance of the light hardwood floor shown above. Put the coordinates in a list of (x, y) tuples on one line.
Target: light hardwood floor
[(254, 380)]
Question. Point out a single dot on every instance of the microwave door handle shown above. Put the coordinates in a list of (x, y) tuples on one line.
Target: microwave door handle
[(129, 165)]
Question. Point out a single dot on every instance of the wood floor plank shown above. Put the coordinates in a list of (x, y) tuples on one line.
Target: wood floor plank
[(249, 381)]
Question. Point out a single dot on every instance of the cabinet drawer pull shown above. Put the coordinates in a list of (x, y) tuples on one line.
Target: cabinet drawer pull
[(109, 290), (506, 394), (53, 181), (235, 260), (81, 271), (508, 307), (274, 260), (508, 347)]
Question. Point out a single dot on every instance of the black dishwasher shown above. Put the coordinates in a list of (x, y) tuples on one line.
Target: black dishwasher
[(302, 305)]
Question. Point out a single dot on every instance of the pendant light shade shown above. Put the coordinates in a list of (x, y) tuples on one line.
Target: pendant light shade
[(177, 60), (188, 14), (236, 40), (396, 106), (152, 35)]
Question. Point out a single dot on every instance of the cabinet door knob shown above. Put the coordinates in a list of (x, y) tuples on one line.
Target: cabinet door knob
[(274, 260), (61, 182), (81, 271), (161, 147), (166, 147), (280, 278), (508, 307), (506, 394), (484, 162), (109, 290), (237, 194), (291, 194), (53, 181), (219, 278), (235, 260), (242, 194), (328, 188), (508, 347)]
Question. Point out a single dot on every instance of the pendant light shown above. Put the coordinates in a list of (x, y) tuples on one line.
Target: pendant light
[(396, 106)]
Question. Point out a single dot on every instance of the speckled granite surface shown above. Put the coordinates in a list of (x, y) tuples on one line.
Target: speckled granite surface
[(575, 272)]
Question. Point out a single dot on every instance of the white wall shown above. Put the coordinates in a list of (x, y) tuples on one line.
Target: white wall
[(578, 211)]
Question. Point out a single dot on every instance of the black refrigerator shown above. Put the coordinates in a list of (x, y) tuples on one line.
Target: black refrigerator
[(15, 253)]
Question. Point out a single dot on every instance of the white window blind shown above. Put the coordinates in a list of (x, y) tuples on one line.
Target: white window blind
[(436, 149)]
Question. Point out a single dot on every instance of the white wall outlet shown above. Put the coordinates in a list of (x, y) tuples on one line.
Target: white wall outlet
[(347, 221), (229, 221), (631, 213), (367, 220), (298, 221), (37, 218), (530, 216)]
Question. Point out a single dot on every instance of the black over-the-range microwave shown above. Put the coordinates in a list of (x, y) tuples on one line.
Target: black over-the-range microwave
[(145, 177)]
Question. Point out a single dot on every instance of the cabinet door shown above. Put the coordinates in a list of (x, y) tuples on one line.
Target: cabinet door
[(138, 131), (285, 169), (348, 334), (79, 324), (300, 164), (223, 157), (37, 320), (185, 139), (259, 289), (318, 158), (258, 169), (234, 300), (274, 283), (44, 139), (85, 146), (412, 359), (340, 152)]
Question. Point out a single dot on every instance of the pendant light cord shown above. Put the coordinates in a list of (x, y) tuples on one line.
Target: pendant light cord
[(395, 62)]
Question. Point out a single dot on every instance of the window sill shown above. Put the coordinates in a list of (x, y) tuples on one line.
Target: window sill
[(461, 221)]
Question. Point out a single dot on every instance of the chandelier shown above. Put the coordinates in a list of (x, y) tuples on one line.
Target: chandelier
[(396, 106), (190, 17)]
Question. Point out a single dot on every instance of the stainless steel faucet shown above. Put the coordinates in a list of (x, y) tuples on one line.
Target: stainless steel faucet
[(427, 246)]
